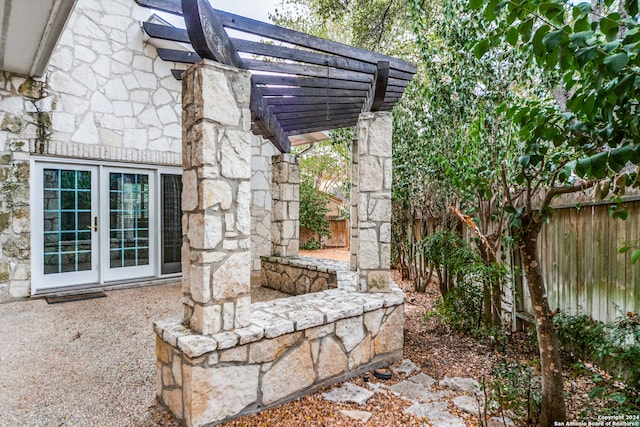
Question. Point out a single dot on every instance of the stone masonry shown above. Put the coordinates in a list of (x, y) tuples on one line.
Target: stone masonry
[(226, 357), (285, 216), (300, 275), (292, 347), (371, 201), (216, 198)]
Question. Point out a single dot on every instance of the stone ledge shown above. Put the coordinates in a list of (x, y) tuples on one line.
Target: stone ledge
[(293, 347), (272, 319)]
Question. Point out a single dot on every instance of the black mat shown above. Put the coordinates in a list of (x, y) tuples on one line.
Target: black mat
[(72, 298)]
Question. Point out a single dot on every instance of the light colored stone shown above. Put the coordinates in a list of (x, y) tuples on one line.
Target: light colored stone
[(206, 320), (237, 354), (423, 379), (214, 193), (173, 400), (176, 370), (371, 175), (233, 276), (351, 332), (243, 213), (210, 400), (189, 190), (249, 333), (373, 321), (361, 354), (225, 340), (268, 350), (349, 392), (332, 360), (200, 279), (391, 335), (407, 367), (356, 415), (368, 249), (219, 104), (235, 152), (196, 345), (436, 413), (468, 404), (87, 133), (468, 385), (289, 374)]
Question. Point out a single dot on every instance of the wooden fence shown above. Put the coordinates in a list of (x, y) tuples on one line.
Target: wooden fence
[(583, 270)]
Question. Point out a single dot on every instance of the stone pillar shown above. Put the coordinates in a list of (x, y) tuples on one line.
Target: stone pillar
[(285, 216), (371, 202), (216, 198)]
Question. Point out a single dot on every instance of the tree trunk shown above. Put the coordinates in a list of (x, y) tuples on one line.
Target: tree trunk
[(552, 405)]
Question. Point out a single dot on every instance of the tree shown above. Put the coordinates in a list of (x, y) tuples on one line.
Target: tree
[(587, 132)]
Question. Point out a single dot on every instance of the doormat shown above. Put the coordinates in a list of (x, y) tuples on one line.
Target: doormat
[(72, 298)]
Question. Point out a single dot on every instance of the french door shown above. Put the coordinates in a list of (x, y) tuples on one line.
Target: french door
[(95, 225)]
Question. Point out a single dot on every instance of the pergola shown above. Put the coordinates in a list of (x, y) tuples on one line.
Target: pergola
[(300, 83)]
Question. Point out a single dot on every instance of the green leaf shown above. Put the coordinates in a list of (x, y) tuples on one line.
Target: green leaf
[(512, 36), (631, 6), (580, 38), (538, 45), (597, 392), (635, 256), (553, 39), (581, 10), (585, 55), (615, 63), (525, 30), (481, 48), (609, 26), (475, 4)]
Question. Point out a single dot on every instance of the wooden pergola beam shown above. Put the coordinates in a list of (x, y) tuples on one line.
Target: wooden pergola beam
[(308, 85)]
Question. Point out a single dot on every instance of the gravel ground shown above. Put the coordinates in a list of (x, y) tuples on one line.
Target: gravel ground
[(85, 363)]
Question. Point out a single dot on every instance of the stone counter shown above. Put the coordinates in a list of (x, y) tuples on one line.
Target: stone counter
[(292, 347)]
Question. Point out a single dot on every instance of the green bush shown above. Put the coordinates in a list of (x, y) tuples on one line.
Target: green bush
[(615, 347), (516, 387), (313, 208)]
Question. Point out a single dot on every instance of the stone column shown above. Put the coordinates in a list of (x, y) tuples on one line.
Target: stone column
[(285, 217), (216, 153), (371, 202)]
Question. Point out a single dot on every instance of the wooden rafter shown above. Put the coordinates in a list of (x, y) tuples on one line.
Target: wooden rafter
[(300, 84)]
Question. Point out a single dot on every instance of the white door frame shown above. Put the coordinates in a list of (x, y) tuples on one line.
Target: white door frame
[(40, 280)]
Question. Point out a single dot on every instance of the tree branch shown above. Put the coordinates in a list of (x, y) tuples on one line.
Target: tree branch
[(556, 191)]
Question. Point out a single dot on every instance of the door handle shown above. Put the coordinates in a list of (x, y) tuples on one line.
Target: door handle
[(94, 227)]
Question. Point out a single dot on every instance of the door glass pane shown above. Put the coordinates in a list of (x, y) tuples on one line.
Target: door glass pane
[(128, 219), (171, 223), (66, 215)]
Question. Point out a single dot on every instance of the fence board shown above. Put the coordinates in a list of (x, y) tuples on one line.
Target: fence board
[(581, 265)]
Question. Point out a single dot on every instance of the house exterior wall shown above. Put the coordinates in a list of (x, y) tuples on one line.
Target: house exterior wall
[(106, 96)]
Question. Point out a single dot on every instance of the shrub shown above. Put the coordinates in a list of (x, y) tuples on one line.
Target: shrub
[(313, 208)]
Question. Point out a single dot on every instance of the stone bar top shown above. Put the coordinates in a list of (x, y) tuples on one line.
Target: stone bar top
[(272, 319)]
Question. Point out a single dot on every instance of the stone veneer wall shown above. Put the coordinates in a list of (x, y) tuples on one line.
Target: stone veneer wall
[(106, 96), (301, 275), (262, 151), (293, 347), (285, 216)]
